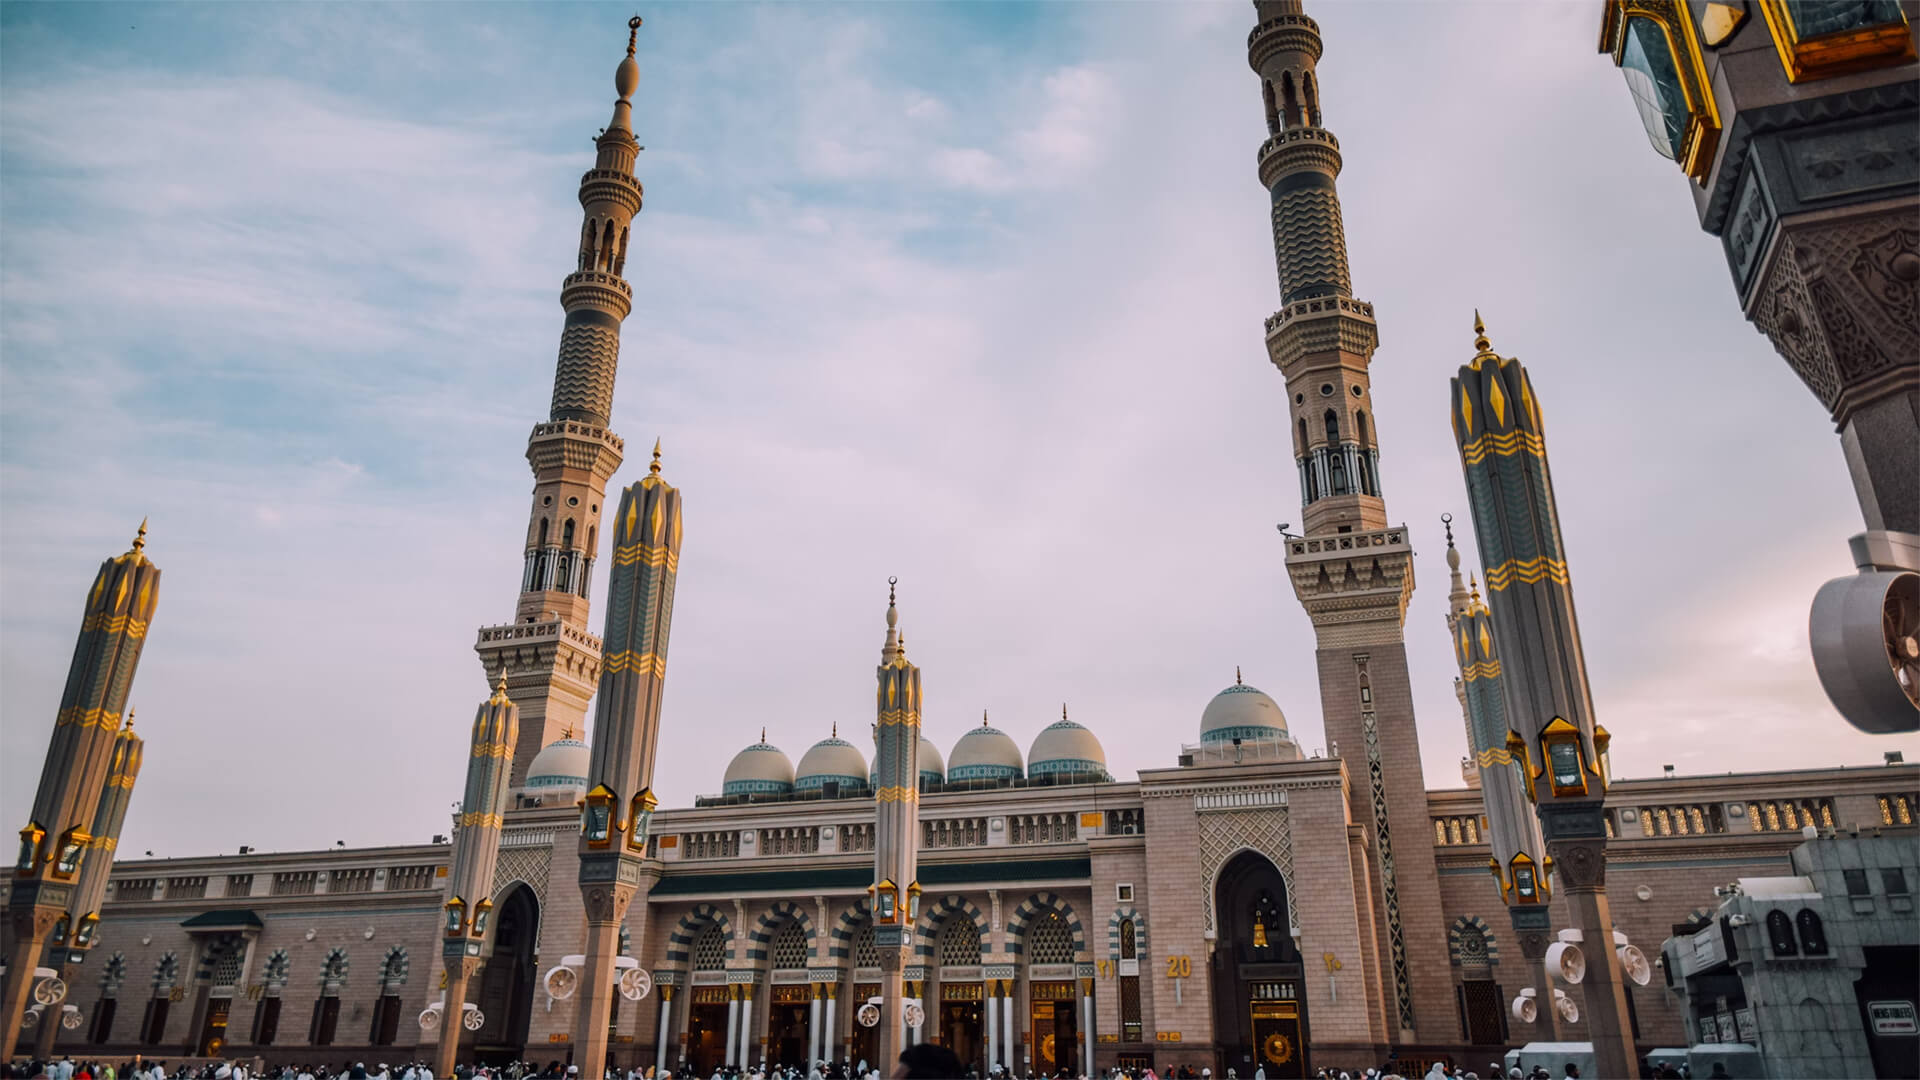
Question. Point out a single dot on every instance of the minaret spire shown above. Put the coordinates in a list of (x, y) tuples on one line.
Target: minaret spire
[(896, 833), (573, 454)]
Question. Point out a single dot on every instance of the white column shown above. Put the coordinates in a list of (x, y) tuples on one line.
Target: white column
[(831, 1034), (746, 1028), (733, 1024), (1086, 1030), (993, 1023), (919, 999), (813, 1027), (666, 1030), (1008, 1034)]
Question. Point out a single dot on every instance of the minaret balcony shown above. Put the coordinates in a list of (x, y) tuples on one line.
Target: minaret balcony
[(611, 185), (1298, 148), (1344, 579), (1318, 325), (1284, 33), (535, 632), (575, 445), (598, 288)]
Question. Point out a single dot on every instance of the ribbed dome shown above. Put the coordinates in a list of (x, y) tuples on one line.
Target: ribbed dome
[(760, 769), (1241, 712), (985, 753), (1065, 748), (832, 759), (561, 763), (932, 768)]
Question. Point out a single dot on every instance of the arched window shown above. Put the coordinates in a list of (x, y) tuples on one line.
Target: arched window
[(1049, 941), (959, 942), (1780, 934), (587, 229), (1290, 102), (566, 535), (606, 247), (1360, 428), (1312, 97), (1303, 436), (1337, 473), (1273, 114), (866, 951), (1127, 939), (789, 947), (710, 949), (1364, 459), (620, 260), (1333, 428), (1813, 936)]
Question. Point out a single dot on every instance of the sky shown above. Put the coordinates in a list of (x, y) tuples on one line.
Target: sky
[(967, 294)]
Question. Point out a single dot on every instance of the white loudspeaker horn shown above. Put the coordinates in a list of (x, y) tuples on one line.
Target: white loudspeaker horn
[(71, 1018), (1567, 962), (1525, 1010), (562, 981), (913, 1014), (1634, 962), (1569, 1011), (635, 984), (869, 1016), (430, 1018), (30, 1017), (472, 1018)]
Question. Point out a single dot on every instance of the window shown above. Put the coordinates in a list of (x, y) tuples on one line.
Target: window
[(1129, 984), (1821, 38), (153, 1030), (409, 877), (386, 1020), (1124, 894), (1894, 880), (1780, 934), (710, 949), (239, 884), (186, 888), (1857, 883), (789, 947), (959, 941), (866, 953), (1813, 936), (102, 1020), (1654, 81), (293, 883), (326, 1018), (351, 881), (266, 1021), (1049, 941)]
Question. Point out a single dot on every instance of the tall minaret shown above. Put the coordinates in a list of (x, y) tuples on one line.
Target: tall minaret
[(476, 847), (1543, 672), (626, 736), (75, 934), (896, 831), (57, 843), (551, 660), (1513, 831), (1352, 571)]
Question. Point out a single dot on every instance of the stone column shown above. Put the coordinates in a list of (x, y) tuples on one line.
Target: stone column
[(813, 1026), (746, 1026), (666, 1030), (1086, 1024), (606, 905), (733, 1023), (832, 1034), (446, 1053), (1009, 1035), (993, 1022)]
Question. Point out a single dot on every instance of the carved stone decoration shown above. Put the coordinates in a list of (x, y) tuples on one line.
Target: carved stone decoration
[(1533, 943), (1581, 864), (607, 903)]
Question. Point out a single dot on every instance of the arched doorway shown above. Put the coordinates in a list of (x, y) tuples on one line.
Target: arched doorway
[(789, 998), (507, 981), (713, 1004), (1260, 1014), (957, 952)]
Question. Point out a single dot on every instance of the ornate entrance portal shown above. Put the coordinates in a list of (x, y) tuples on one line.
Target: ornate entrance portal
[(1260, 1019), (507, 980), (707, 1029), (1056, 1031)]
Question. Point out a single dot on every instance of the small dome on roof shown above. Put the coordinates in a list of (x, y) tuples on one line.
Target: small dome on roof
[(834, 760), (1241, 712), (560, 764), (760, 769), (985, 753), (1064, 748)]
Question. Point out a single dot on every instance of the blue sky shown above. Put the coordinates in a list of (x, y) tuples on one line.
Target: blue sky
[(969, 294)]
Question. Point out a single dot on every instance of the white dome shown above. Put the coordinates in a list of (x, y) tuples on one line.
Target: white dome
[(1066, 748), (984, 753), (932, 767), (760, 769), (560, 764), (833, 759), (1241, 712)]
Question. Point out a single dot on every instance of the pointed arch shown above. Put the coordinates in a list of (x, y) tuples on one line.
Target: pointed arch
[(620, 256), (1289, 101), (588, 230), (1471, 943), (680, 939), (1034, 905), (1304, 444), (1273, 108), (605, 260), (771, 920), (840, 935), (1360, 427), (1121, 915), (1311, 95), (932, 917)]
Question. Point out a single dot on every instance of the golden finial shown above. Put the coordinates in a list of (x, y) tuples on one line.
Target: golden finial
[(1236, 676), (983, 718), (633, 33), (1474, 584), (1063, 712), (1447, 520), (500, 693), (763, 735), (140, 538), (1480, 343), (654, 469), (129, 723)]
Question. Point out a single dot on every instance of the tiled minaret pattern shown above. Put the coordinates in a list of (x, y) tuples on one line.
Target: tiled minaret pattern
[(74, 939), (1351, 570), (476, 846), (614, 868), (1543, 673), (551, 661), (1513, 830), (896, 832), (57, 842)]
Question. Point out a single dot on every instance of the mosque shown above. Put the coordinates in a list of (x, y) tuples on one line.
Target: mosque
[(1246, 905)]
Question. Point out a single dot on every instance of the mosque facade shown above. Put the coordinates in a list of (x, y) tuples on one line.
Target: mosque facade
[(1246, 905)]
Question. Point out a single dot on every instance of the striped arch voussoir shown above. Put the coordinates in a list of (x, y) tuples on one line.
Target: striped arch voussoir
[(772, 919), (934, 916), (1121, 915), (1463, 929), (840, 935), (680, 940), (1034, 905)]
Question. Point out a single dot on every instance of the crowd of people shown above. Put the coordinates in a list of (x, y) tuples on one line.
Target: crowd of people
[(921, 1061)]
